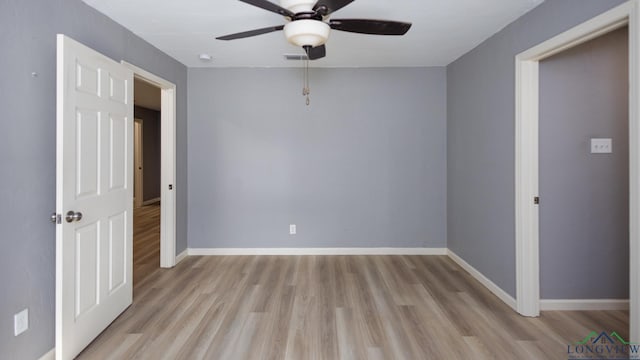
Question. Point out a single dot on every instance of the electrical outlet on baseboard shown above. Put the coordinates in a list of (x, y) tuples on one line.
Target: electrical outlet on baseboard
[(20, 322)]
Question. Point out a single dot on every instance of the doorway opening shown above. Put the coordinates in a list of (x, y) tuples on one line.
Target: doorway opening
[(167, 195), (527, 148), (584, 185), (146, 179)]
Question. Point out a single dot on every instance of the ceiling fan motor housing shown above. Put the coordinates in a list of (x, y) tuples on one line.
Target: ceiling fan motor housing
[(308, 24), (307, 32), (298, 6)]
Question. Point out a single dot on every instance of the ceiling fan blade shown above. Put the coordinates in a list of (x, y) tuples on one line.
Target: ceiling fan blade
[(317, 52), (246, 34), (373, 27), (326, 7), (269, 6)]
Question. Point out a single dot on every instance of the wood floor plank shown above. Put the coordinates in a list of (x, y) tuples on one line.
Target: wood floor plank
[(350, 343), (326, 307), (300, 335), (274, 345)]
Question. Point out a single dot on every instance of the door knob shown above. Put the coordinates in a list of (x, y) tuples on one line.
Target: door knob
[(73, 216)]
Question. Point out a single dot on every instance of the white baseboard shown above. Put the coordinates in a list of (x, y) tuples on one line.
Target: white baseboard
[(583, 304), (182, 255), (495, 289), (51, 355), (315, 251), (151, 201)]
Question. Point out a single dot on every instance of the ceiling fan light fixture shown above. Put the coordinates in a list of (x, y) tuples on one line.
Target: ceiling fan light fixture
[(307, 32)]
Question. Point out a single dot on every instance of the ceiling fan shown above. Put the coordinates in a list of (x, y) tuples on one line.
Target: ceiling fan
[(309, 25)]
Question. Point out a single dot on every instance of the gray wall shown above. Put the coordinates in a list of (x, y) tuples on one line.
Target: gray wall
[(150, 151), (28, 144), (480, 137), (363, 166), (584, 211)]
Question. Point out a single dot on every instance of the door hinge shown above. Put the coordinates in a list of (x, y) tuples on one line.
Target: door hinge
[(536, 200), (56, 218)]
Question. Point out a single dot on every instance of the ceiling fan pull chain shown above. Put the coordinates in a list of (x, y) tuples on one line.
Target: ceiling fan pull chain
[(305, 89), (304, 82)]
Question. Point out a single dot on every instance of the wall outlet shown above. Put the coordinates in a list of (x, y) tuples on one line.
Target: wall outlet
[(292, 229), (20, 322), (601, 146)]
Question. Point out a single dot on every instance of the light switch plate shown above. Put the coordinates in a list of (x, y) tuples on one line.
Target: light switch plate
[(601, 146), (292, 229), (20, 322)]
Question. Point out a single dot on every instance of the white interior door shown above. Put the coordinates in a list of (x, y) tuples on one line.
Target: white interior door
[(138, 191), (93, 178)]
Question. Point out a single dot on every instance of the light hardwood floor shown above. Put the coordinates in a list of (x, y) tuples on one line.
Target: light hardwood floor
[(331, 307), (146, 242)]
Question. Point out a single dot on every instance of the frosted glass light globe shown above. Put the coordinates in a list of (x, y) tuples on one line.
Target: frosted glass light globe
[(307, 32)]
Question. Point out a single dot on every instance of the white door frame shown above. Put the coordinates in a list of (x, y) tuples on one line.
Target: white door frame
[(527, 102), (167, 163), (138, 181)]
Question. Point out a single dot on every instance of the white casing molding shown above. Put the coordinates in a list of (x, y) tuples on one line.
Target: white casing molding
[(634, 170), (527, 267), (167, 161), (490, 285)]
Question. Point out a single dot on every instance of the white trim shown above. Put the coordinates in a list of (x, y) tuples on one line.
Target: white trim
[(315, 251), (527, 237), (589, 30), (167, 161), (138, 161), (151, 201), (51, 355), (182, 256), (583, 304), (527, 267), (634, 170), (490, 285)]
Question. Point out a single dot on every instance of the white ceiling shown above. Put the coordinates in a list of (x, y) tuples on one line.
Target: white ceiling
[(442, 31)]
